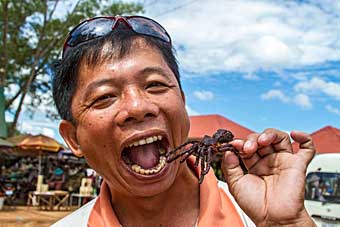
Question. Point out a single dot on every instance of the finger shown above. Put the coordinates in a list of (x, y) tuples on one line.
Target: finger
[(264, 151), (231, 169), (250, 155), (307, 149), (250, 146), (237, 144), (251, 161), (280, 141)]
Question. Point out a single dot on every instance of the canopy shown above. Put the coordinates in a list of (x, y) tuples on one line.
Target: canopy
[(5, 143), (36, 143), (6, 148)]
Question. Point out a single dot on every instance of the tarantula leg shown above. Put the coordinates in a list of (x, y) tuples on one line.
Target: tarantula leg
[(180, 147), (181, 153), (189, 152), (202, 170), (208, 159), (198, 155), (204, 164), (206, 167), (228, 147), (178, 155), (184, 152), (202, 175)]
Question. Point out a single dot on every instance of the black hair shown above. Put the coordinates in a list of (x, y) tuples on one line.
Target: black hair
[(65, 78)]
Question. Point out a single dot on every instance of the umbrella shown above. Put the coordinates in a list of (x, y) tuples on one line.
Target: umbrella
[(5, 144), (5, 147), (36, 144)]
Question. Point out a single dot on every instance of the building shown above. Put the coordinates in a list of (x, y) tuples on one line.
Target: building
[(208, 124), (326, 140)]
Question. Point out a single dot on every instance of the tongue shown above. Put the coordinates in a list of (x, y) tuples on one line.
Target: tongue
[(146, 156)]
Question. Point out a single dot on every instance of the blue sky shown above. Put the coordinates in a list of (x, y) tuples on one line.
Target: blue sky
[(259, 63)]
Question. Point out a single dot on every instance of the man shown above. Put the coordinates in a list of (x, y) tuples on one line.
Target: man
[(118, 91)]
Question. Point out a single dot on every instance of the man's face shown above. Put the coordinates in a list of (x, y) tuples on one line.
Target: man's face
[(129, 112)]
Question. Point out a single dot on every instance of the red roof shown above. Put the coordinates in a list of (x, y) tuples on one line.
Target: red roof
[(326, 140), (208, 124)]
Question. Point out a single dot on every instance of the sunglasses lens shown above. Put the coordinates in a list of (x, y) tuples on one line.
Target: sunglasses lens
[(90, 30), (101, 26), (148, 27)]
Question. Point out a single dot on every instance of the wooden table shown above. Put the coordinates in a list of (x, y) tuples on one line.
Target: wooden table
[(80, 198), (50, 200)]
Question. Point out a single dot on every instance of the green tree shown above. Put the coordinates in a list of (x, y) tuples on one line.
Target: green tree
[(32, 34)]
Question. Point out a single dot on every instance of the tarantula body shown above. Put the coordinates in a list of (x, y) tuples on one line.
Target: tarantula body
[(204, 150)]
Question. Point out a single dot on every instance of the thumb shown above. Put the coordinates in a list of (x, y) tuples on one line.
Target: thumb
[(231, 169)]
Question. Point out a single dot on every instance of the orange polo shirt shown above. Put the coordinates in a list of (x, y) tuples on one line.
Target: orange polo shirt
[(216, 208)]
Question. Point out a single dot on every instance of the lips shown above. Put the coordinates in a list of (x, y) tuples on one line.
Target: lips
[(146, 156)]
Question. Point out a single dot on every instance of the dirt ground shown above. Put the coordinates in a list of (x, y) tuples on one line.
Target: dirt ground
[(29, 217)]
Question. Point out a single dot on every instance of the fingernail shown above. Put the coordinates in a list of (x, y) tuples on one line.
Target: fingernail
[(263, 136), (248, 144)]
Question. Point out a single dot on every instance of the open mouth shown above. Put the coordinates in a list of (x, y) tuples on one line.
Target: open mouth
[(146, 156)]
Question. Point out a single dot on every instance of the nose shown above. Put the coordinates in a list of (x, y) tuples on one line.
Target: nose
[(135, 106)]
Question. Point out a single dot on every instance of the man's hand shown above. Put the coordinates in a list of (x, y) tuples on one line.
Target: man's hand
[(272, 193)]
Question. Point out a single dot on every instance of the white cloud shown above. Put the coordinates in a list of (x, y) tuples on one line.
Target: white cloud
[(249, 35), (251, 76), (48, 132), (301, 100), (275, 94), (35, 127), (190, 111), (40, 126), (333, 109), (204, 95), (316, 84)]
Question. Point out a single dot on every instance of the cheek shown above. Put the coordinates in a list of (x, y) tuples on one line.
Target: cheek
[(185, 126), (95, 137), (95, 127), (179, 119)]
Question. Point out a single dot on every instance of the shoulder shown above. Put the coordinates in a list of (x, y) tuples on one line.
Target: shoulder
[(77, 218), (246, 220)]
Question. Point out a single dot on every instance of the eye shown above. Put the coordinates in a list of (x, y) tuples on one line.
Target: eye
[(157, 87), (103, 97), (103, 101), (155, 84)]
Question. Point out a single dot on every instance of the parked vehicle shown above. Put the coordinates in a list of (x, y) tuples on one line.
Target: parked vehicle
[(322, 196)]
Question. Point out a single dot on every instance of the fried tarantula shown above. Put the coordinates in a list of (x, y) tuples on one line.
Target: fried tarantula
[(204, 150)]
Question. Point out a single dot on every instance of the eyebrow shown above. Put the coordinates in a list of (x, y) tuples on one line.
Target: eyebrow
[(97, 84), (150, 70)]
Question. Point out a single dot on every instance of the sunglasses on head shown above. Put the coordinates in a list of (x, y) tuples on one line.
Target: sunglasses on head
[(100, 26)]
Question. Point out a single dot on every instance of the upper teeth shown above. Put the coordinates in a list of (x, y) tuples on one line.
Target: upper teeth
[(147, 140)]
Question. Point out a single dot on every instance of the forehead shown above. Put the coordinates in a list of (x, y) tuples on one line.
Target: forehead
[(113, 51), (140, 56)]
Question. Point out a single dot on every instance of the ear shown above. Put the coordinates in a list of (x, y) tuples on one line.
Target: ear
[(69, 133)]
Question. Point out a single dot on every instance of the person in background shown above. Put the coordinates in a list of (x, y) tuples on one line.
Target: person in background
[(57, 180), (117, 89)]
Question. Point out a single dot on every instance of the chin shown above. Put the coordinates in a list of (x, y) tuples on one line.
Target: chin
[(151, 186)]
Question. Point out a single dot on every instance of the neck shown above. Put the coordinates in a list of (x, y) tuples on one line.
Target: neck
[(162, 209)]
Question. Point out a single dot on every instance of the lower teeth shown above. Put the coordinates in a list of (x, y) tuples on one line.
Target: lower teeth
[(138, 169)]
